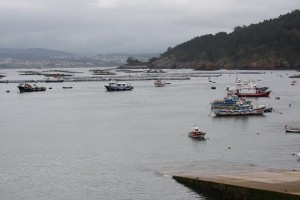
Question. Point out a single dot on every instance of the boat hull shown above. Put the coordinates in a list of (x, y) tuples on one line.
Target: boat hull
[(196, 134), (292, 130), (110, 88), (257, 94), (159, 84), (33, 89), (230, 112)]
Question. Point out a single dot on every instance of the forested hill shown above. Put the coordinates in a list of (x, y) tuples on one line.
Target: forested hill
[(271, 44)]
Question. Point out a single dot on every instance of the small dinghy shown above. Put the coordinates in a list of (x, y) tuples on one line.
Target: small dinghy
[(67, 87), (291, 129)]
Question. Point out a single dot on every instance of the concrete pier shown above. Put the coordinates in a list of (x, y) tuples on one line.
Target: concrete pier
[(255, 185)]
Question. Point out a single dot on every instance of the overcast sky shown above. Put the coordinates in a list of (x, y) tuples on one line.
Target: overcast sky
[(125, 26)]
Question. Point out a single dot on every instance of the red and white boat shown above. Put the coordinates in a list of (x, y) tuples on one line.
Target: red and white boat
[(248, 89), (251, 92), (195, 133)]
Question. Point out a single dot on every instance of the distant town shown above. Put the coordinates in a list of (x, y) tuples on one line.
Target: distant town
[(43, 58)]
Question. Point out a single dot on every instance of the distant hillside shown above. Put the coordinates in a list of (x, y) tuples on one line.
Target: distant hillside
[(271, 44), (32, 53), (45, 58)]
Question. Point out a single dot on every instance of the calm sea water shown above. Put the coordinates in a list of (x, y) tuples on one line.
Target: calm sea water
[(86, 143)]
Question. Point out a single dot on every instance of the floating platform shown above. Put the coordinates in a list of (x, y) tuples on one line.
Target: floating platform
[(254, 185)]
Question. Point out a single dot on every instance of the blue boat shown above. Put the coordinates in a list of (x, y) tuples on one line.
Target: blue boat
[(234, 105), (240, 110), (229, 102)]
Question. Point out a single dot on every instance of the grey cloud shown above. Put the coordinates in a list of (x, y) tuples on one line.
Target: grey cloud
[(132, 26)]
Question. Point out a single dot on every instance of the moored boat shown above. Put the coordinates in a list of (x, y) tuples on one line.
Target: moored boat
[(230, 101), (292, 129), (195, 133), (240, 110), (159, 83), (25, 87), (248, 89), (252, 93), (118, 86)]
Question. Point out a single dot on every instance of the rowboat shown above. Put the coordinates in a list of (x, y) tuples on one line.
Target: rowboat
[(291, 129)]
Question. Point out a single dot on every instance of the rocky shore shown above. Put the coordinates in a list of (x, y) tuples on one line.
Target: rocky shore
[(263, 64)]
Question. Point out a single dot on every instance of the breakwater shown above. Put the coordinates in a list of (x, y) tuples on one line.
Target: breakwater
[(246, 186)]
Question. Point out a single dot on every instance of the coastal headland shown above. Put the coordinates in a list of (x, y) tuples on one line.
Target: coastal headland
[(265, 184)]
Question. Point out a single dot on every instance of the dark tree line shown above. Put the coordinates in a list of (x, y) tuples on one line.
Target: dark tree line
[(275, 38)]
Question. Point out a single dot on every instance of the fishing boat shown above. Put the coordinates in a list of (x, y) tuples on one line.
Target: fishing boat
[(231, 101), (252, 93), (292, 129), (159, 83), (248, 89), (195, 133), (239, 110), (118, 86), (25, 87)]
